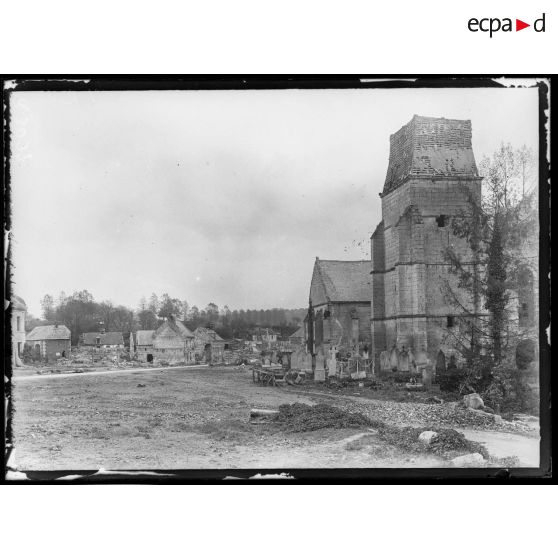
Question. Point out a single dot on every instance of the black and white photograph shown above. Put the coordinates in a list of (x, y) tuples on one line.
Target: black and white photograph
[(233, 279)]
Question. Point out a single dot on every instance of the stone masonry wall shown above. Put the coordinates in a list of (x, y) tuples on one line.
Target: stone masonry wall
[(409, 306), (338, 327)]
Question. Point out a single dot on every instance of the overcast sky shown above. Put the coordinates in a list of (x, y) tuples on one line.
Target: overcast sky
[(222, 197)]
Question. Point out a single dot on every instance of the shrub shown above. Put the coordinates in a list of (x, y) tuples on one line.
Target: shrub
[(509, 392)]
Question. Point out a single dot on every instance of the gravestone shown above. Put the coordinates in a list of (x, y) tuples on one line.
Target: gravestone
[(394, 359), (306, 363), (332, 363), (426, 372), (319, 372), (385, 365), (403, 361)]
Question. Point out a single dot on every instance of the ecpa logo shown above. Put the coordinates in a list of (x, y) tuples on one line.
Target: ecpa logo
[(494, 24)]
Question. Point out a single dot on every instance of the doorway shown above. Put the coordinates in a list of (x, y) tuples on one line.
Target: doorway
[(149, 358)]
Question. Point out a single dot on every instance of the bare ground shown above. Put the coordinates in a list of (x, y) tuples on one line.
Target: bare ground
[(181, 419)]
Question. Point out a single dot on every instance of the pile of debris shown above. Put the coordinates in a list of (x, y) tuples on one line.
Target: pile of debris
[(300, 417), (446, 443), (450, 415)]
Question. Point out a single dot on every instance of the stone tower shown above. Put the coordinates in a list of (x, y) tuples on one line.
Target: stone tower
[(431, 176)]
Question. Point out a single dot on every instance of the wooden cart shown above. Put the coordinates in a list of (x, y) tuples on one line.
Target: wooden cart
[(271, 374)]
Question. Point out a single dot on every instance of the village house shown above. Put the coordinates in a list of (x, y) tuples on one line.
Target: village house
[(141, 344), (107, 341), (49, 342), (208, 344), (171, 342), (19, 311), (339, 306)]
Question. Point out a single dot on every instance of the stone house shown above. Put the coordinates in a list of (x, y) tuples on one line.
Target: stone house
[(19, 312), (171, 342), (49, 342), (106, 341), (141, 344), (209, 345), (339, 305), (431, 176)]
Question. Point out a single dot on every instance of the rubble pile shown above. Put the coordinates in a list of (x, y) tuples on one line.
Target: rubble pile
[(300, 417), (443, 415), (447, 443)]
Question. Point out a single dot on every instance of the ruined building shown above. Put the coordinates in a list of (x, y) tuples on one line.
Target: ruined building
[(171, 342), (431, 177)]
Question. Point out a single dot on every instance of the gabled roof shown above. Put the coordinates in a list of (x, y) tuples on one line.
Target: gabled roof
[(42, 333), (144, 337), (207, 334), (341, 281), (177, 326), (107, 338)]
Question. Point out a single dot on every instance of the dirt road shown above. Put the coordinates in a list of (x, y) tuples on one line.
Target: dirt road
[(176, 418)]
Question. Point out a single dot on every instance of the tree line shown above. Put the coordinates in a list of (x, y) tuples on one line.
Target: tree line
[(81, 313)]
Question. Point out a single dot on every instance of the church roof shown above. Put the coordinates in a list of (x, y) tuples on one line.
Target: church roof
[(299, 333), (430, 147), (341, 281)]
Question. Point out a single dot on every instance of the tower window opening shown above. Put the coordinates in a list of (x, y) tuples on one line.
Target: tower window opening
[(441, 220)]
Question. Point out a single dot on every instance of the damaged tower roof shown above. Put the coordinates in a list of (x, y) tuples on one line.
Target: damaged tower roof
[(428, 147)]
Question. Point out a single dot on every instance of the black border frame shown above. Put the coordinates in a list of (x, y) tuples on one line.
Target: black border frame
[(96, 82)]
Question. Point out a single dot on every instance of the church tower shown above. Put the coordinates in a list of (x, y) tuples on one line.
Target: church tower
[(431, 176)]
